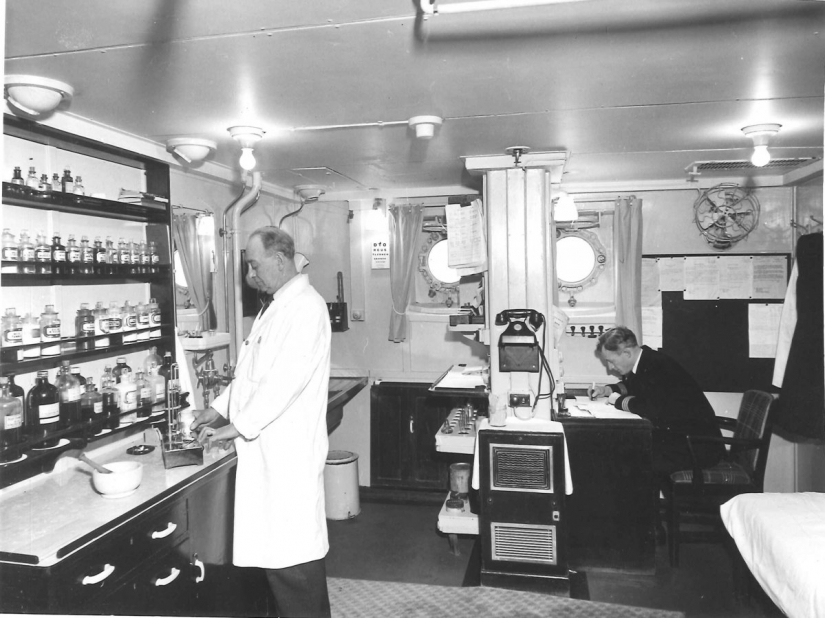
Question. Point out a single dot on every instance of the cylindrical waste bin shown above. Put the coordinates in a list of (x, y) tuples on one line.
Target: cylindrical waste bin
[(341, 485)]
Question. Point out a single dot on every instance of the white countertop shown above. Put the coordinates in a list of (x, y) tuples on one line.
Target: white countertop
[(42, 515)]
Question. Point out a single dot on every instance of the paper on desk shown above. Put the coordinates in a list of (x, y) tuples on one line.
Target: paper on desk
[(599, 408), (463, 376)]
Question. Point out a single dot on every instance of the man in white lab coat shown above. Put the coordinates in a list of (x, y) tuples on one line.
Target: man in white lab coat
[(276, 413)]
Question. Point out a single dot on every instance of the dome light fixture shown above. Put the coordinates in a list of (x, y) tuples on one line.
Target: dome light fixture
[(35, 95), (424, 126), (761, 135), (191, 149), (247, 137)]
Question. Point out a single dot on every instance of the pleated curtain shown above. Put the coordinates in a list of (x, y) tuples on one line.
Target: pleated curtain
[(196, 252), (405, 226), (627, 247)]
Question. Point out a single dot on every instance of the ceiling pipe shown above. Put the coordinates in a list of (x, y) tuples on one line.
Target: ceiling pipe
[(232, 260)]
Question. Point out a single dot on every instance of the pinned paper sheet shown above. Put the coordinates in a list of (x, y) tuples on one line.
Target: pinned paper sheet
[(466, 238), (763, 329)]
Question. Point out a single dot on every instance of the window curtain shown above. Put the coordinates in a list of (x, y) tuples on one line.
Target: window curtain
[(195, 244), (627, 247), (405, 225)]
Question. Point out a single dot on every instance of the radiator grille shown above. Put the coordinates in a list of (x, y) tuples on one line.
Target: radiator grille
[(521, 468), (724, 166), (523, 543)]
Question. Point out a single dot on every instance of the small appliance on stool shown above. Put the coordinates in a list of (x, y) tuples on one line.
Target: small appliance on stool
[(175, 449), (522, 511)]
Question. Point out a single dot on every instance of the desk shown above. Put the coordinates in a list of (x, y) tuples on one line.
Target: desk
[(611, 511)]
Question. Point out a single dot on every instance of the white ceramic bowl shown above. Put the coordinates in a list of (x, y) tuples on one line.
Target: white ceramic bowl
[(123, 481)]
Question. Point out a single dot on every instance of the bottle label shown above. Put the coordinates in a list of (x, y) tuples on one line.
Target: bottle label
[(160, 390), (59, 256), (27, 254), (87, 255), (49, 413), (67, 395), (145, 393), (144, 259), (102, 326), (155, 258), (115, 324), (124, 257), (10, 254), (43, 255), (130, 322), (129, 401), (143, 320), (31, 333), (88, 328), (13, 336), (73, 255), (155, 318), (98, 407), (13, 421), (134, 258), (50, 332), (100, 257)]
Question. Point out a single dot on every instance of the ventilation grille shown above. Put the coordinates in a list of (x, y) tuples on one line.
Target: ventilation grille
[(521, 468), (729, 166), (523, 543)]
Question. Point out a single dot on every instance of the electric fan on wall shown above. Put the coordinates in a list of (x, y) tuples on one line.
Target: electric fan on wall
[(725, 214)]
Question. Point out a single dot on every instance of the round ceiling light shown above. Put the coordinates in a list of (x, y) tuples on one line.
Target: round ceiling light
[(191, 149), (36, 95)]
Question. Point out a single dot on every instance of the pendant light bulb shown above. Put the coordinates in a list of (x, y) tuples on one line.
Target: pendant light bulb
[(247, 159), (761, 157)]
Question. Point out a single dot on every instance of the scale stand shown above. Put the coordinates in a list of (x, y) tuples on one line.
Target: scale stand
[(177, 452)]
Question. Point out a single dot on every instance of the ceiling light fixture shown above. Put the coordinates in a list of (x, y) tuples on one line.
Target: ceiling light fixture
[(425, 125), (36, 95), (247, 137), (565, 207), (191, 149), (761, 134)]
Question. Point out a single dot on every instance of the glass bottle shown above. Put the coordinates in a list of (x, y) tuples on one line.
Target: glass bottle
[(120, 368), (31, 180), (154, 258), (145, 395), (44, 186), (42, 255), (165, 371), (128, 392), (112, 257), (123, 256), (143, 322), (134, 257), (84, 323), (154, 318), (67, 181), (115, 318), (17, 177), (99, 259), (72, 256), (43, 404), (158, 384), (11, 423), (91, 403), (101, 315), (68, 388), (31, 336), (145, 260), (25, 254), (11, 254), (87, 257), (12, 329), (18, 393), (152, 359), (111, 399), (49, 332), (129, 323), (76, 375), (58, 256), (57, 185), (79, 189)]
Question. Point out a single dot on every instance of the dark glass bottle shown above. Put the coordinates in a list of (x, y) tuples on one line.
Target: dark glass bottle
[(67, 181), (99, 257), (43, 404), (91, 403), (120, 368), (111, 403), (79, 378), (17, 177), (58, 256), (166, 371), (87, 256), (73, 264), (11, 423), (68, 388)]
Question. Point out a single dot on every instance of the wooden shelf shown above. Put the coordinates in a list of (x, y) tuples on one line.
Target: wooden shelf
[(123, 276)]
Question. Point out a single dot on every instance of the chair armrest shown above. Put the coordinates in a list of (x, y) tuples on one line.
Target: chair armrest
[(726, 422)]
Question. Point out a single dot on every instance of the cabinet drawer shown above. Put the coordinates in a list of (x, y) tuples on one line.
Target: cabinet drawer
[(100, 566)]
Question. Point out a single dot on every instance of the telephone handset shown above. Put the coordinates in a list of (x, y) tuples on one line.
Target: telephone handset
[(535, 318)]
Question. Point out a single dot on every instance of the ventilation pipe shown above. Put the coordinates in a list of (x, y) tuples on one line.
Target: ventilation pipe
[(232, 260)]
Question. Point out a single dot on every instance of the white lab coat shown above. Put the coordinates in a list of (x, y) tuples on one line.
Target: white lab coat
[(278, 403)]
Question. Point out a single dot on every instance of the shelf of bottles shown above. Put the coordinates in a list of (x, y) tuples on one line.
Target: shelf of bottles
[(147, 210), (71, 412)]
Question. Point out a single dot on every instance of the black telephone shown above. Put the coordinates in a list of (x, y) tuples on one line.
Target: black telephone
[(518, 346), (535, 318)]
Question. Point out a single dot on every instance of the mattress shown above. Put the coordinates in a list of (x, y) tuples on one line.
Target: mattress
[(781, 538)]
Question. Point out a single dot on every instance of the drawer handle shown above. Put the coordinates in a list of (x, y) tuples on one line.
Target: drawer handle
[(165, 581), (412, 425), (91, 580), (162, 534), (199, 563)]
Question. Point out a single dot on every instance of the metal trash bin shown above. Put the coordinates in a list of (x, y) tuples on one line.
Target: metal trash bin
[(341, 485)]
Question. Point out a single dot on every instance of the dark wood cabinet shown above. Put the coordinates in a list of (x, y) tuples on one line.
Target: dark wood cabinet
[(404, 419)]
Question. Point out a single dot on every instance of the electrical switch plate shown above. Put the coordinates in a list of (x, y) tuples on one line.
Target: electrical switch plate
[(519, 400)]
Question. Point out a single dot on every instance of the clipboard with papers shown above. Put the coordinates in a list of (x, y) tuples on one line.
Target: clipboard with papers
[(463, 379), (584, 407)]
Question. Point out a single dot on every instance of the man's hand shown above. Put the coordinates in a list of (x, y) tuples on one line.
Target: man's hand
[(613, 398), (203, 418), (208, 436), (598, 391)]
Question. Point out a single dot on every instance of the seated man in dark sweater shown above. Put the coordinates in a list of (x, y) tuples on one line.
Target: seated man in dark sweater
[(657, 388)]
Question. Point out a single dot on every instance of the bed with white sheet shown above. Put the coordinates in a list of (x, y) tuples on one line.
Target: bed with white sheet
[(781, 538)]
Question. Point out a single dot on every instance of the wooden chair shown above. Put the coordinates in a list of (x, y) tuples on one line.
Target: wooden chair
[(694, 496)]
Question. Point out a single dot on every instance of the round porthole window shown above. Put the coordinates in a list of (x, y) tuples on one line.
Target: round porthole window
[(580, 259), (438, 263), (433, 264)]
